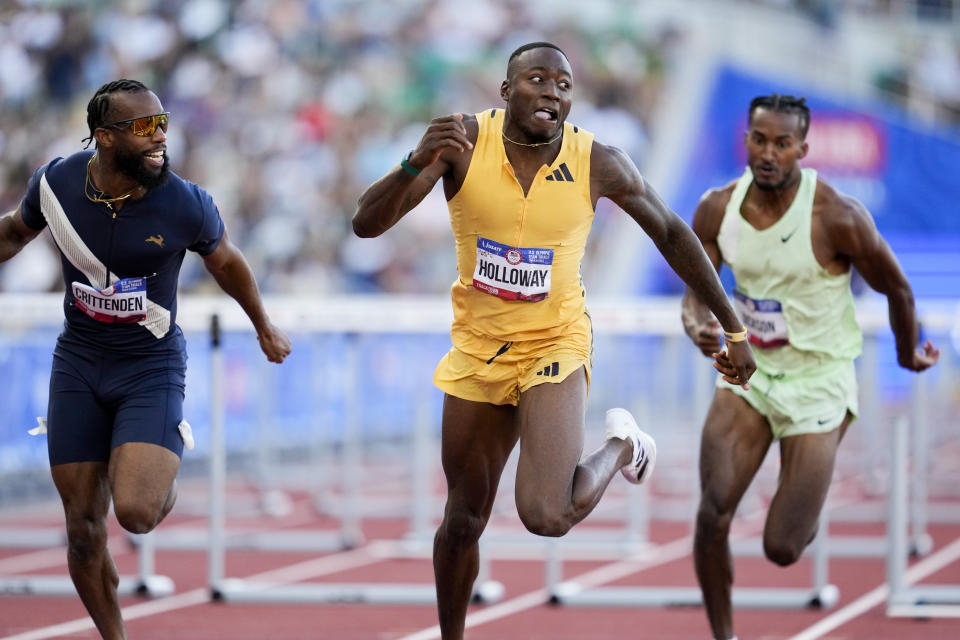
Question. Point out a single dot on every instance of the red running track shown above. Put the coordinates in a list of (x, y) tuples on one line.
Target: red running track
[(523, 613)]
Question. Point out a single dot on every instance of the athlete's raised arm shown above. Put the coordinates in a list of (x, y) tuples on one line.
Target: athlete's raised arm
[(14, 234), (614, 176), (388, 199)]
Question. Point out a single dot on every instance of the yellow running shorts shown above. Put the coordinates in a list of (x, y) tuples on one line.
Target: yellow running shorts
[(498, 372)]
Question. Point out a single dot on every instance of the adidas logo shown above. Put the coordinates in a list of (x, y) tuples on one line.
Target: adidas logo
[(550, 370), (561, 174)]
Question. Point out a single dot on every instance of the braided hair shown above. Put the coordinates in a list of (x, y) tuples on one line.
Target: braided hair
[(783, 104), (99, 105)]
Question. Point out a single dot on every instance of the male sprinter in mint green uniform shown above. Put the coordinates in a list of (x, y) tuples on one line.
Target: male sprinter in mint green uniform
[(791, 240)]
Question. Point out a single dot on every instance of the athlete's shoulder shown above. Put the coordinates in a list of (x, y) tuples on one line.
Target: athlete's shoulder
[(836, 209), (718, 197), (183, 199), (179, 187), (711, 209), (72, 167), (471, 122), (608, 158)]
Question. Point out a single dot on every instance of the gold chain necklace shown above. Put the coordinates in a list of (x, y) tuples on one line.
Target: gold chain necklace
[(88, 185), (534, 144)]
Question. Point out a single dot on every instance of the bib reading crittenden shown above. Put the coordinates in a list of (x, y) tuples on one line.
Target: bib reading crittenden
[(512, 273), (124, 301)]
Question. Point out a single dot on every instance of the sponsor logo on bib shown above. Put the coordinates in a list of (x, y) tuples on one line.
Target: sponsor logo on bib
[(763, 319), (513, 273), (123, 302)]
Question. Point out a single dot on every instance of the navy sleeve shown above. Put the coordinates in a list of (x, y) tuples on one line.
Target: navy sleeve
[(211, 225), (30, 207)]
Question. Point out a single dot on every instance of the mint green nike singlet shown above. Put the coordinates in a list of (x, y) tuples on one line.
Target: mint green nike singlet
[(800, 318)]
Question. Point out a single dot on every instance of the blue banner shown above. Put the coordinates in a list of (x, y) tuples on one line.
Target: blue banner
[(904, 173)]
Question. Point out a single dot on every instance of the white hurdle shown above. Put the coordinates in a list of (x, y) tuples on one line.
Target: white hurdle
[(216, 536), (241, 590), (820, 594), (144, 583), (903, 600)]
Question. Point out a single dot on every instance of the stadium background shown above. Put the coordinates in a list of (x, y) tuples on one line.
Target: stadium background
[(286, 110)]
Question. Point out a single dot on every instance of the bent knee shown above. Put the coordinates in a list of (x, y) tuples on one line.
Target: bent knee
[(782, 553), (542, 522), (137, 518)]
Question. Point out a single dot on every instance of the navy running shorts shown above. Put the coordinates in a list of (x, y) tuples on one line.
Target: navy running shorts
[(100, 399)]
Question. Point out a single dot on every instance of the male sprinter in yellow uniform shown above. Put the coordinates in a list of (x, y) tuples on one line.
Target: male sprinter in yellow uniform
[(790, 240), (522, 186)]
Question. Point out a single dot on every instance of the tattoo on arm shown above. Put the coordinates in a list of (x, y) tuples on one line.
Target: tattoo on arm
[(413, 198)]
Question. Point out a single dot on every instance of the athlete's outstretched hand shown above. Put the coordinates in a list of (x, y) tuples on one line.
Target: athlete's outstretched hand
[(443, 133), (736, 363), (922, 358), (274, 343)]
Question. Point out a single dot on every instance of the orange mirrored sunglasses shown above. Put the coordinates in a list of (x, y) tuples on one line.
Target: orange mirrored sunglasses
[(144, 126)]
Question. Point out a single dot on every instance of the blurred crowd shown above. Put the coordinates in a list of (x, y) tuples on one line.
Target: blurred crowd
[(286, 110)]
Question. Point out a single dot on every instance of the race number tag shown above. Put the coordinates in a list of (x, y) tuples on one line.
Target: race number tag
[(513, 273), (763, 319), (125, 301)]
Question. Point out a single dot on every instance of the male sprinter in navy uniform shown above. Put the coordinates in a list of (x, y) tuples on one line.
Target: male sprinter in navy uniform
[(123, 222)]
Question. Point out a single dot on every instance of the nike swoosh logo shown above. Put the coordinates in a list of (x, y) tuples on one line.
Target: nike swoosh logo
[(788, 236), (821, 422)]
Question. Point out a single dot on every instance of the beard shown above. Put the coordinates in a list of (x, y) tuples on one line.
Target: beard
[(769, 186), (130, 164)]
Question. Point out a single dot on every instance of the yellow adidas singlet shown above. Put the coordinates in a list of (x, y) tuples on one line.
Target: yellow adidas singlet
[(518, 257)]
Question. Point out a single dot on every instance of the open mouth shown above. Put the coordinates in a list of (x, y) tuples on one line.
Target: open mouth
[(766, 170), (155, 157), (548, 115)]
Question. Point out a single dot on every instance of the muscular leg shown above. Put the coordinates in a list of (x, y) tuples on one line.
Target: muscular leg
[(806, 468), (140, 477), (734, 443), (85, 491), (142, 480), (554, 489), (477, 439)]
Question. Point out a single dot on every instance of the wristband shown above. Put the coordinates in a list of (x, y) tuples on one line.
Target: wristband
[(735, 336), (409, 168)]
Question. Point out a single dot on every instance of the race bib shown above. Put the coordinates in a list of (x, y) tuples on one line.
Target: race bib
[(763, 319), (512, 273), (125, 301)]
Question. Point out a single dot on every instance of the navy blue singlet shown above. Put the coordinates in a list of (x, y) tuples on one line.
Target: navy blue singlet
[(118, 377)]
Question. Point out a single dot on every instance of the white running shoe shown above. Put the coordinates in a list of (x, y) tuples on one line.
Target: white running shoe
[(620, 424)]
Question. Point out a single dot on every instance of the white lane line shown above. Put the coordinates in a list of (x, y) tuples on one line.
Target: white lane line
[(117, 544), (747, 525), (930, 564), (179, 601), (646, 559), (55, 556), (284, 575)]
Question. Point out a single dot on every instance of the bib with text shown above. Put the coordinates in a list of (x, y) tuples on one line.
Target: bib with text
[(513, 273), (763, 319), (124, 301)]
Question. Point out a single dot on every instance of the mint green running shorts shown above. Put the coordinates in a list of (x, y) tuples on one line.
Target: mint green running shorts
[(805, 403)]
